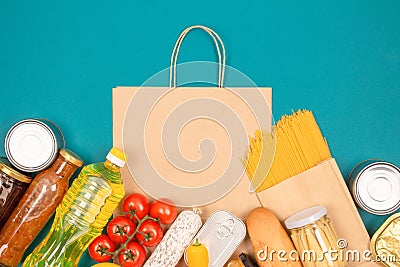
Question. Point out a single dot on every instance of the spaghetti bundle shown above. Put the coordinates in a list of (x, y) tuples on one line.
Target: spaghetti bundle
[(299, 147)]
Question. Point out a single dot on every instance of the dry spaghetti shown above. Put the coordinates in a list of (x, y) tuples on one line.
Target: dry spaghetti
[(299, 147)]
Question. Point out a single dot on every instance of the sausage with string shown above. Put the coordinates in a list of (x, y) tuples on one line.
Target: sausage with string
[(175, 241)]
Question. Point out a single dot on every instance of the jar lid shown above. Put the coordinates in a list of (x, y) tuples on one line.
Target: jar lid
[(305, 217), (117, 156), (378, 188), (71, 157), (4, 167)]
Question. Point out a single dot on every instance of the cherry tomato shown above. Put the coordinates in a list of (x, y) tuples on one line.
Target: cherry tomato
[(152, 233), (101, 247), (164, 210), (133, 256), (119, 228), (136, 203)]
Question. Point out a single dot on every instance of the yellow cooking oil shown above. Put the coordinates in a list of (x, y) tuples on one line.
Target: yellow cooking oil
[(83, 213)]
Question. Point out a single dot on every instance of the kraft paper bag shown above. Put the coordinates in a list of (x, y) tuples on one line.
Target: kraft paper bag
[(187, 143), (210, 123), (321, 185), (238, 201)]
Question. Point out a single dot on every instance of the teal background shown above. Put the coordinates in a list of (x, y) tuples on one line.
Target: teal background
[(341, 59)]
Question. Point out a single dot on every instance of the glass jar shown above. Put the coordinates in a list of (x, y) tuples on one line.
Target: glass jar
[(315, 239), (13, 185), (36, 207)]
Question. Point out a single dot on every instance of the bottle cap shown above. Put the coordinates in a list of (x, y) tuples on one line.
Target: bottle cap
[(305, 217), (117, 156), (7, 169), (71, 157)]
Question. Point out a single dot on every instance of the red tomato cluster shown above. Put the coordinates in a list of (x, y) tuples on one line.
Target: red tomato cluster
[(139, 226)]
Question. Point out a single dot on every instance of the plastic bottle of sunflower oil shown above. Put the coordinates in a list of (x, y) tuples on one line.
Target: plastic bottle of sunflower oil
[(83, 213)]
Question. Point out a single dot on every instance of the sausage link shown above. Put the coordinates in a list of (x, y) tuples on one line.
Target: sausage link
[(176, 240)]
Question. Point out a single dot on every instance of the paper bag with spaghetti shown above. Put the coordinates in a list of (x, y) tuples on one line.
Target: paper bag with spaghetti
[(303, 175)]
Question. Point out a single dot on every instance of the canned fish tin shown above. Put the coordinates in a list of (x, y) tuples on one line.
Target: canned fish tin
[(375, 186), (385, 243), (32, 145), (221, 234)]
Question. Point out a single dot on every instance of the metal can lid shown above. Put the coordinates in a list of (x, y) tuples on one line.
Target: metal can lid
[(31, 145), (4, 167), (377, 188), (305, 217), (71, 157)]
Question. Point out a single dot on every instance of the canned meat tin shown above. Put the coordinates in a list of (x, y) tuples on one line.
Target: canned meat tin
[(375, 186), (32, 145), (221, 234), (385, 243)]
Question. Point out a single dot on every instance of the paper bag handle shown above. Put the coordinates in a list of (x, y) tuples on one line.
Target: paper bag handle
[(175, 52)]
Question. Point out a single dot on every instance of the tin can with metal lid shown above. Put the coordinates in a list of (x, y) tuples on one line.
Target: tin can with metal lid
[(221, 234), (375, 186), (32, 145)]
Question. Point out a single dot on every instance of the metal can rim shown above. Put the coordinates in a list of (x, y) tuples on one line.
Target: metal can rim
[(45, 164), (353, 181)]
